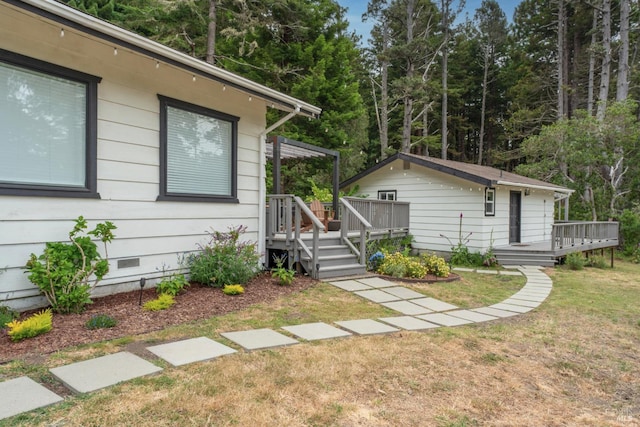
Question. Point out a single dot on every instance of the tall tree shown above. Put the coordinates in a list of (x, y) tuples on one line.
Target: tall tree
[(622, 87), (605, 74)]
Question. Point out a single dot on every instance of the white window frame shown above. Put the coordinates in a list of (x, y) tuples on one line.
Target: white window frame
[(489, 201), (384, 195), (167, 105)]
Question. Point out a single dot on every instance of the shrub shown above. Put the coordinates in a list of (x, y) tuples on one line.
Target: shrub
[(401, 265), (32, 326), (172, 285), (100, 321), (284, 275), (435, 265), (388, 245), (575, 261), (163, 302), (6, 316), (233, 290), (630, 230), (596, 261), (66, 272), (224, 260)]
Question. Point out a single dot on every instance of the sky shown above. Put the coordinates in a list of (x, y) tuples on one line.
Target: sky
[(357, 7)]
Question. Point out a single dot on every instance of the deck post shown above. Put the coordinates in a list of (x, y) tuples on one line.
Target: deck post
[(612, 257)]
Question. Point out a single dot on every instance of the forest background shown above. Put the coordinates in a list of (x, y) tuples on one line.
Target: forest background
[(551, 93)]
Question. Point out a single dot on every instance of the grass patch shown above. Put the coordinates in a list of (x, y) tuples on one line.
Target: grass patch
[(573, 361)]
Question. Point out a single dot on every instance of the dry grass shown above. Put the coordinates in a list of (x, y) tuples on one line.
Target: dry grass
[(572, 362)]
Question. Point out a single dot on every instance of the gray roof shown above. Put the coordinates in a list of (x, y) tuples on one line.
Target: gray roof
[(483, 175)]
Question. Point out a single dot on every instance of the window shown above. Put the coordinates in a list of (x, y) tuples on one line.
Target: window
[(48, 129), (489, 201), (387, 195), (198, 151)]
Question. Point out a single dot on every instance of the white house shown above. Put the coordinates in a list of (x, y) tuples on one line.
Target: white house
[(100, 122), (496, 207)]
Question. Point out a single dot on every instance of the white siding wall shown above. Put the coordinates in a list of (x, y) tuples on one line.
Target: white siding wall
[(437, 200), (128, 162)]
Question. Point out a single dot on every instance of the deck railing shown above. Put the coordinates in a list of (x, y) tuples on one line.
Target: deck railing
[(352, 220), (383, 215), (570, 234)]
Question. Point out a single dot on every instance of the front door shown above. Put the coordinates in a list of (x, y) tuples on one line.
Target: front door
[(514, 217)]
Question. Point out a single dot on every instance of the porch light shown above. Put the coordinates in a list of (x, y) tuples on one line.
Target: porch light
[(527, 191)]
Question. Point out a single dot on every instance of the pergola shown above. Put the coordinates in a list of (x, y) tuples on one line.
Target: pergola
[(279, 147)]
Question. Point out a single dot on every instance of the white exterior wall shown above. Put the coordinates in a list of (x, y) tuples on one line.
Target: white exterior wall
[(437, 200), (127, 165)]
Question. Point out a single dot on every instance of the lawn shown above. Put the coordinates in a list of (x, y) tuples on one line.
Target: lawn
[(572, 361)]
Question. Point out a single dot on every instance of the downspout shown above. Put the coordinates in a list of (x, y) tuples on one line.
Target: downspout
[(262, 202)]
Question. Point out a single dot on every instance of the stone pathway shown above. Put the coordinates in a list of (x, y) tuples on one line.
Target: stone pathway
[(417, 312)]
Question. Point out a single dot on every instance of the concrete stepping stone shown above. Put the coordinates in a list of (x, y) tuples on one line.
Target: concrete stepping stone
[(487, 271), (511, 307), (376, 295), (406, 307), (443, 319), (255, 339), (189, 351), (409, 323), (524, 303), (464, 269), (471, 315), (529, 297), (350, 285), (367, 327), (494, 312), (509, 273), (316, 331), (23, 394), (94, 374), (402, 292), (434, 304), (377, 282)]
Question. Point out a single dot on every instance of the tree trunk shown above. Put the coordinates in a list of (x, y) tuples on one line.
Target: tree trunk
[(483, 110), (384, 96), (592, 63), (622, 88), (211, 33), (408, 95), (561, 58), (606, 60), (445, 71)]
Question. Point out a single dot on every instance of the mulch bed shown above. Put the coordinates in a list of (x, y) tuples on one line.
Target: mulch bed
[(429, 278), (197, 302)]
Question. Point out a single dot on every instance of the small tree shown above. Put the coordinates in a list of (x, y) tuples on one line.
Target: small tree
[(67, 272)]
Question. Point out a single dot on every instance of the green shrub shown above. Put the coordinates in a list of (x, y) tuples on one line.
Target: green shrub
[(575, 261), (284, 275), (630, 231), (32, 326), (172, 285), (460, 255), (401, 265), (387, 245), (163, 302), (100, 321), (224, 260), (6, 316), (66, 272), (435, 265), (597, 261), (233, 290)]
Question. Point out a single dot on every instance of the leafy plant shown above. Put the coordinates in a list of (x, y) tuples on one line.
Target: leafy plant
[(6, 316), (284, 275), (401, 265), (67, 272), (460, 254), (597, 261), (163, 302), (32, 326), (224, 260), (233, 290), (575, 261), (435, 265), (375, 260), (630, 230), (172, 285), (100, 321)]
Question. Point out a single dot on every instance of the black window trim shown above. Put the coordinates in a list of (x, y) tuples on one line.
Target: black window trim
[(90, 189), (394, 192), (486, 192), (188, 197)]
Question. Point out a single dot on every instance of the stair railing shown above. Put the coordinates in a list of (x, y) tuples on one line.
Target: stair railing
[(314, 252), (353, 221)]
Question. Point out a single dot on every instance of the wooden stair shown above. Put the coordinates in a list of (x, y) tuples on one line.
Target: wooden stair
[(525, 257), (335, 259)]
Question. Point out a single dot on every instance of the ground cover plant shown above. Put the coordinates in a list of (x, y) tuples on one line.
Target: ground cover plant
[(572, 361)]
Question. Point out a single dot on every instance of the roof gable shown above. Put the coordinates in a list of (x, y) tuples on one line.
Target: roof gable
[(483, 175)]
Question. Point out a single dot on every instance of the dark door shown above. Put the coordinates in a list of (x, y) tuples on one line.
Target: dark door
[(514, 217)]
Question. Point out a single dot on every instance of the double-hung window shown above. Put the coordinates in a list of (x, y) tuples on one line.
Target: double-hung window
[(387, 195), (198, 153), (48, 129), (489, 201)]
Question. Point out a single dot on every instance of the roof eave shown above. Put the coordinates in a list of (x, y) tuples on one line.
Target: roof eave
[(73, 18)]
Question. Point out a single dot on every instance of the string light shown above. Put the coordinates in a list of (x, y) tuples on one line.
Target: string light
[(224, 87), (194, 78), (157, 64), (115, 51), (250, 98), (61, 32)]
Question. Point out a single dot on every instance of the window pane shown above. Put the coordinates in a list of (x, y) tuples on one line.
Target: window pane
[(199, 153), (42, 128)]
